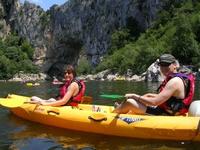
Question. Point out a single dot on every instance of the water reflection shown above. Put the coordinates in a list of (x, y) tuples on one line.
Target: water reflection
[(34, 144)]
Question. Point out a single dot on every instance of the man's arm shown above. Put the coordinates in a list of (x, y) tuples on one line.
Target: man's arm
[(157, 99)]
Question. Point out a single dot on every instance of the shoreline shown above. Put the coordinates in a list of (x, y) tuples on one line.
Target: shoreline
[(152, 74)]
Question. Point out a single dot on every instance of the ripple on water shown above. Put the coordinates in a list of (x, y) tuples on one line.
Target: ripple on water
[(42, 144), (35, 144)]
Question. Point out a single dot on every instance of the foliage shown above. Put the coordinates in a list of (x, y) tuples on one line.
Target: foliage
[(184, 45), (27, 49), (176, 31), (15, 56), (45, 19), (84, 66), (119, 39)]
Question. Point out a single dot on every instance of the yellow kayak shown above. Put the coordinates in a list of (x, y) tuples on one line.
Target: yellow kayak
[(100, 119)]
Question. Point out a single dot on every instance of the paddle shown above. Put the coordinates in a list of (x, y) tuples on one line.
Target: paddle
[(112, 96)]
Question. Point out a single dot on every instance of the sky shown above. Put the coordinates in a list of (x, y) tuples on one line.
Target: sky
[(46, 4)]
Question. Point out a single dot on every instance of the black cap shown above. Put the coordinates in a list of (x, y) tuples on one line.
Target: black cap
[(167, 58)]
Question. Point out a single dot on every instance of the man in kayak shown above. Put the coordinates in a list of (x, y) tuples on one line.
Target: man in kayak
[(71, 92), (174, 97)]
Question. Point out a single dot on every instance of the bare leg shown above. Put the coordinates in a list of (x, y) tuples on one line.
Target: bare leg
[(37, 99), (131, 105)]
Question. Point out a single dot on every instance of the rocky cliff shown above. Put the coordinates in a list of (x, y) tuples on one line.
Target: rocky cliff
[(61, 33), (6, 9)]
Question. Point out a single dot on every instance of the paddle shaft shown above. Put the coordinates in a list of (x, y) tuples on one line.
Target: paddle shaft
[(112, 96)]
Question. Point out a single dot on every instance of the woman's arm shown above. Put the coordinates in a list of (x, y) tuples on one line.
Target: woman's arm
[(70, 93)]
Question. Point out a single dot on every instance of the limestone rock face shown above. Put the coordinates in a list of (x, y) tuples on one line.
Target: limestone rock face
[(28, 21), (32, 22), (59, 34), (7, 7), (88, 24)]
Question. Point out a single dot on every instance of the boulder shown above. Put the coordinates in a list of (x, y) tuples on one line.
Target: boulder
[(153, 72)]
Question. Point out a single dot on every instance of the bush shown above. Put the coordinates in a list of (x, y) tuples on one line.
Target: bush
[(26, 48), (15, 56), (176, 31), (12, 40), (184, 45), (5, 67), (119, 39), (84, 66)]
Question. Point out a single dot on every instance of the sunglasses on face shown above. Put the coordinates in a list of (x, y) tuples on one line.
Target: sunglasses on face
[(164, 64), (68, 72)]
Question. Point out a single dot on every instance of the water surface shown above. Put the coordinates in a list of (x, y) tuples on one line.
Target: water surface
[(19, 134)]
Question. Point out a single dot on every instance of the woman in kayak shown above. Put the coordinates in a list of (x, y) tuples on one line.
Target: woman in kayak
[(71, 92), (174, 97)]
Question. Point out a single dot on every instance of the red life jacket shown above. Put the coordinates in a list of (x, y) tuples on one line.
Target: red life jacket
[(75, 100), (176, 106)]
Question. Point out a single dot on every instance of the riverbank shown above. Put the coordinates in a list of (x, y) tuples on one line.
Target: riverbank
[(152, 74), (27, 77)]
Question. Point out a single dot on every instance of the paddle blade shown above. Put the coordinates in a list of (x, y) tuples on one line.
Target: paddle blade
[(11, 103), (113, 96)]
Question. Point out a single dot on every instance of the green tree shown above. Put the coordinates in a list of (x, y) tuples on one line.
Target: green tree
[(84, 66), (12, 40), (15, 56), (184, 45), (13, 53), (27, 48), (119, 39), (5, 67)]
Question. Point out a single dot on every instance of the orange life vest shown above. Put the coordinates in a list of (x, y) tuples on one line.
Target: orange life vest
[(75, 100)]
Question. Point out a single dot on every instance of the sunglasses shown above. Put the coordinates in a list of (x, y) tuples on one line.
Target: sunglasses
[(67, 72), (164, 64)]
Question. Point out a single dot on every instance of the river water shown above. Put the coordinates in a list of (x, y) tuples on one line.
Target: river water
[(19, 134)]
